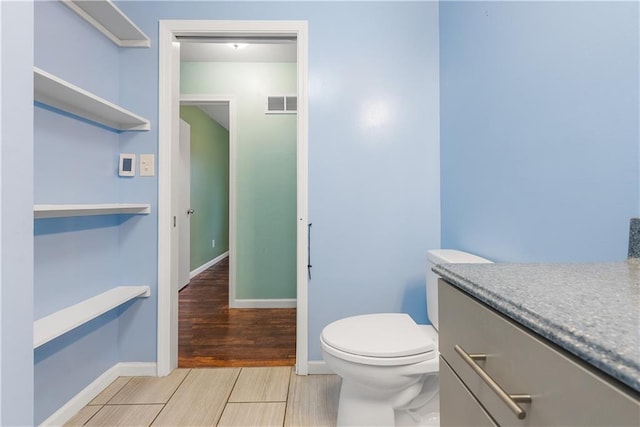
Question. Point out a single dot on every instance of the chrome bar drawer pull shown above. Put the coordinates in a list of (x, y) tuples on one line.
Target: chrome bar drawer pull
[(511, 400)]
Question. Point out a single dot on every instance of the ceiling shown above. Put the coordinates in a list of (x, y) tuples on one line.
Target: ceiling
[(218, 111), (219, 51), (272, 51)]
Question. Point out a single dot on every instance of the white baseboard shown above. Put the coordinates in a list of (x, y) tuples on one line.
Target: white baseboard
[(86, 395), (137, 369), (319, 367), (208, 264), (264, 303)]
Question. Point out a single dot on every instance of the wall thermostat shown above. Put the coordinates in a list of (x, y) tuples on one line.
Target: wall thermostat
[(127, 165)]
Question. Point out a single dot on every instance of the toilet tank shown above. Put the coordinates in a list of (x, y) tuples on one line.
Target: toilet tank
[(444, 256)]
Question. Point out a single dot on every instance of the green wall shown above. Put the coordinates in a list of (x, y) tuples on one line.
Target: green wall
[(209, 186), (266, 171)]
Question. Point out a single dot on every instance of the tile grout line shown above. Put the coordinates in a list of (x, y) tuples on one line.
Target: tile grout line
[(229, 396), (289, 388), (286, 402), (119, 390), (164, 405), (107, 402), (132, 404), (96, 413)]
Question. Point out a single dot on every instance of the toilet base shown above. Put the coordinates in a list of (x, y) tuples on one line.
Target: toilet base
[(415, 405), (357, 408)]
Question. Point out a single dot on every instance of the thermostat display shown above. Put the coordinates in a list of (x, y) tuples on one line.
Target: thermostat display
[(127, 165)]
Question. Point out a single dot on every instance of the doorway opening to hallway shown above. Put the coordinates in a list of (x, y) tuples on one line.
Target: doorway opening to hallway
[(239, 306)]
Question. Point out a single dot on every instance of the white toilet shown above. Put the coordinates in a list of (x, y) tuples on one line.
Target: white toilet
[(388, 363)]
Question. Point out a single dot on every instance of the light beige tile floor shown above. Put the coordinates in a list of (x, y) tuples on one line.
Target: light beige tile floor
[(254, 397)]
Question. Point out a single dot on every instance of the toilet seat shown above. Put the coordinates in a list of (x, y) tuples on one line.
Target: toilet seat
[(384, 339)]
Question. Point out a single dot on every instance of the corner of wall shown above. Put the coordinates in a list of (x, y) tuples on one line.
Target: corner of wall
[(16, 213)]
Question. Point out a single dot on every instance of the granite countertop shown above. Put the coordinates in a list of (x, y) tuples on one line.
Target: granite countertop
[(591, 310)]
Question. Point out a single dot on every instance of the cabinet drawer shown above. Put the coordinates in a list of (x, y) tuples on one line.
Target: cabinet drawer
[(564, 391), (458, 407)]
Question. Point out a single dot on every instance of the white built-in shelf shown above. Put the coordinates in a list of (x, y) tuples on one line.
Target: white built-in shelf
[(110, 21), (61, 322), (55, 92), (59, 211)]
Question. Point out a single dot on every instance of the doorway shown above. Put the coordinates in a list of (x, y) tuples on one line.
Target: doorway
[(211, 332), (212, 210), (169, 94)]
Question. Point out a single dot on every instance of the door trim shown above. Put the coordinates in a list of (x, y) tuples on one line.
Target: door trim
[(201, 99), (183, 217), (168, 30)]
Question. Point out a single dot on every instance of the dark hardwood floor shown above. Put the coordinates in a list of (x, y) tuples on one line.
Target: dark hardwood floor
[(211, 334)]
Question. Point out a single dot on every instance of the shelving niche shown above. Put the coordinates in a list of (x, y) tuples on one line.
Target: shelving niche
[(60, 211), (66, 98), (62, 95), (63, 321), (66, 319), (110, 21)]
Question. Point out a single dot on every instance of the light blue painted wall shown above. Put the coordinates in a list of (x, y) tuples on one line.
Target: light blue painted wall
[(16, 213), (77, 258), (373, 143), (540, 128), (374, 191)]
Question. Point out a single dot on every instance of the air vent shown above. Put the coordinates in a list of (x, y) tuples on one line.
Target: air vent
[(282, 104), (291, 103)]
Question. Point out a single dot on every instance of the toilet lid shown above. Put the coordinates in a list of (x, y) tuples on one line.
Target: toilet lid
[(378, 335)]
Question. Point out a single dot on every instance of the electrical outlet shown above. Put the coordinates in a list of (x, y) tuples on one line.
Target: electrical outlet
[(213, 243), (147, 165)]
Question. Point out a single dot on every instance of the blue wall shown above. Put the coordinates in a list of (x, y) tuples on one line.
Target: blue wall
[(370, 238), (80, 257), (16, 213), (540, 128), (540, 158), (373, 143)]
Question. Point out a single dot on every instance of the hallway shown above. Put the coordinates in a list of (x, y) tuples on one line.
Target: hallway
[(210, 334)]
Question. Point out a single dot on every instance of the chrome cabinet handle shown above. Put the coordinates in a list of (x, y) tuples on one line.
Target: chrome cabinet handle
[(511, 400)]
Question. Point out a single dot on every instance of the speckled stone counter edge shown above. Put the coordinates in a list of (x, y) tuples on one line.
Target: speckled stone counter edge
[(601, 358), (634, 238)]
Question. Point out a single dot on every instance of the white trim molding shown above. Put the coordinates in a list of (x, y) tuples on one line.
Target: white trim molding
[(302, 161), (208, 264), (168, 77), (319, 367), (110, 21), (264, 303), (87, 394), (204, 98)]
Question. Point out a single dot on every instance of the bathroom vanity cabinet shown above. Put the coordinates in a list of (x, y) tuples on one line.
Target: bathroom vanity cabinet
[(548, 385)]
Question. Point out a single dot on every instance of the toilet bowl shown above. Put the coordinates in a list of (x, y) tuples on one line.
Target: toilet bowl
[(388, 363)]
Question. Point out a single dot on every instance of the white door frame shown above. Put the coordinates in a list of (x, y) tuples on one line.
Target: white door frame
[(203, 99), (168, 121), (184, 202)]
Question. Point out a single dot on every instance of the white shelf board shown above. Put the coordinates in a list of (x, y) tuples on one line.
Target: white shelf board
[(59, 211), (61, 322), (55, 92), (110, 21)]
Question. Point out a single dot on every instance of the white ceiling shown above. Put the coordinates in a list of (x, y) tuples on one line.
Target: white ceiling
[(215, 51), (284, 51), (218, 112)]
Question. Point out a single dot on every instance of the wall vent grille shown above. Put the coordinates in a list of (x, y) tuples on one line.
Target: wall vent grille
[(282, 104)]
